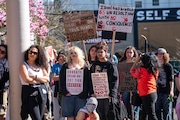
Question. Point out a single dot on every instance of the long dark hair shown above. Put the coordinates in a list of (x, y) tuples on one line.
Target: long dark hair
[(41, 60), (150, 62)]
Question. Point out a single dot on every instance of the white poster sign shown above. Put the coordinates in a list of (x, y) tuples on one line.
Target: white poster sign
[(74, 81), (100, 85), (115, 18)]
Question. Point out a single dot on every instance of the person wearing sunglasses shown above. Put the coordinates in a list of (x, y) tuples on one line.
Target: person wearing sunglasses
[(74, 83), (33, 75), (4, 80)]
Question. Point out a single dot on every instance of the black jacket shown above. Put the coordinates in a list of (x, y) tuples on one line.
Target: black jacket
[(112, 74), (63, 89)]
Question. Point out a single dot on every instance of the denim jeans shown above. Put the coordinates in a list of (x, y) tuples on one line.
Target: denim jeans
[(162, 106)]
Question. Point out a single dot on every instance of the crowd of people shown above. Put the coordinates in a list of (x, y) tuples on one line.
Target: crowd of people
[(82, 89)]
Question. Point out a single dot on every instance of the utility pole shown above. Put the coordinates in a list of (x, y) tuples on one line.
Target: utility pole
[(18, 40)]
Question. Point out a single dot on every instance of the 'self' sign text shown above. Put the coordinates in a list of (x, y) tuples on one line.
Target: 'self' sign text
[(163, 14)]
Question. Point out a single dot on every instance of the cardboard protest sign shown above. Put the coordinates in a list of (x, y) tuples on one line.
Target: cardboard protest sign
[(49, 52), (115, 18), (74, 81), (100, 85), (127, 82), (80, 26)]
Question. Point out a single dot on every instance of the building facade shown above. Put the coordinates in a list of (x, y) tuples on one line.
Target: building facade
[(157, 20)]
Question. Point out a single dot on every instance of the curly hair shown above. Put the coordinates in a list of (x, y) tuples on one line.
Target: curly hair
[(79, 53), (124, 57), (5, 46), (41, 60)]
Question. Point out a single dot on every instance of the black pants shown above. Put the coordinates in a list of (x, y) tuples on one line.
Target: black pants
[(103, 108), (33, 102), (148, 107)]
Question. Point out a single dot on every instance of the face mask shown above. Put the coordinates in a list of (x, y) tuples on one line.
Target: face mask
[(90, 108)]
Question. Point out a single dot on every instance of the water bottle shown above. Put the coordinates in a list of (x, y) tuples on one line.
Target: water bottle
[(171, 99)]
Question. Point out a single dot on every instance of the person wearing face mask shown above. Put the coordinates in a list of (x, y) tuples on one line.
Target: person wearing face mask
[(88, 112)]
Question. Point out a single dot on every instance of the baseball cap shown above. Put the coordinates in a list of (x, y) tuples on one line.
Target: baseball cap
[(161, 50), (62, 52)]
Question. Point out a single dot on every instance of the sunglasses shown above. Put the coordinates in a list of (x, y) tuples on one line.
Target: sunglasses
[(2, 52), (31, 52)]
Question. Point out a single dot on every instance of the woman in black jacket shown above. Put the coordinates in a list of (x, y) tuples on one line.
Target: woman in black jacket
[(74, 83)]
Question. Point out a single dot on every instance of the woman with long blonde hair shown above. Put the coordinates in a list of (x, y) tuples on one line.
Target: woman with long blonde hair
[(74, 83)]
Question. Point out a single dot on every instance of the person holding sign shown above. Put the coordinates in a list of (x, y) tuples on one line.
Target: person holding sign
[(125, 63), (108, 55), (74, 83), (104, 82), (147, 74)]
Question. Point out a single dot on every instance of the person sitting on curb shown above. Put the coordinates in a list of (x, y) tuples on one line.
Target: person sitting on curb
[(88, 112)]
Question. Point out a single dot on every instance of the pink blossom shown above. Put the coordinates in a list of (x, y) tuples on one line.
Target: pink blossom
[(38, 20)]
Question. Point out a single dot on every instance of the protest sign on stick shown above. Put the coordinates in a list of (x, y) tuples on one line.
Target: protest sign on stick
[(116, 19), (80, 26)]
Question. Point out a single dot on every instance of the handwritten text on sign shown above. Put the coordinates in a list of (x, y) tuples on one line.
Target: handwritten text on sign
[(74, 81), (80, 26), (127, 82), (100, 85), (116, 18)]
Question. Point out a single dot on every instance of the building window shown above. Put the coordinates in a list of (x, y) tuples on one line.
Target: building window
[(138, 4), (155, 2)]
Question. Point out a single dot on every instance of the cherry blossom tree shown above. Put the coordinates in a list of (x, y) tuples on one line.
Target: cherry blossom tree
[(38, 20), (2, 18)]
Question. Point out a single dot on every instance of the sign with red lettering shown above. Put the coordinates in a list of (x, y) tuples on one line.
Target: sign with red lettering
[(116, 18), (100, 85), (127, 82), (80, 26), (74, 81)]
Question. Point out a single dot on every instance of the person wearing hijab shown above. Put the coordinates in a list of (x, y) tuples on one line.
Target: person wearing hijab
[(88, 112)]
